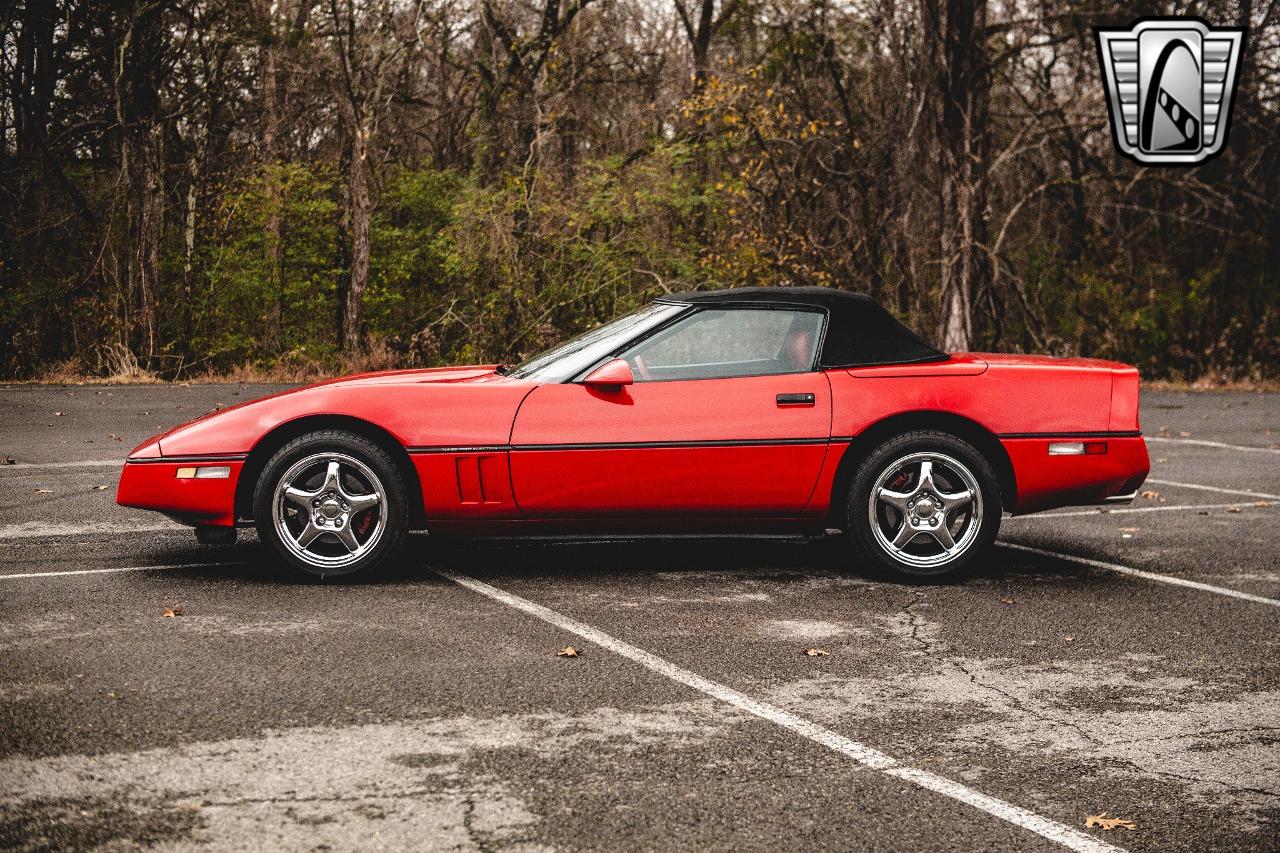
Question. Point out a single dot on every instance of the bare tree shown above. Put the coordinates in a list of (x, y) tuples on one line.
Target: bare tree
[(956, 33), (512, 52), (140, 113), (371, 42), (701, 30)]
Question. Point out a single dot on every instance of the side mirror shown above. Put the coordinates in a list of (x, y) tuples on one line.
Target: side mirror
[(610, 376)]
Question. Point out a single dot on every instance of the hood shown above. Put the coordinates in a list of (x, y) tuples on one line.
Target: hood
[(469, 373), (366, 396)]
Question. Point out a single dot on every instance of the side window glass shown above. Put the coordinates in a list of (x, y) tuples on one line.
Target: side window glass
[(728, 342)]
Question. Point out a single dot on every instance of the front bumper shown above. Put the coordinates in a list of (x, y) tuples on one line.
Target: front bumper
[(154, 484)]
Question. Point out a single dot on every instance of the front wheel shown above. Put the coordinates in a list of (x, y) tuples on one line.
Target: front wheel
[(924, 505), (331, 504)]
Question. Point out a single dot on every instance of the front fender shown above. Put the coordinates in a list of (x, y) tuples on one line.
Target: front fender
[(415, 414)]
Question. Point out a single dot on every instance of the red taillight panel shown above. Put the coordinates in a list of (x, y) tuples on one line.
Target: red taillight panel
[(1124, 400)]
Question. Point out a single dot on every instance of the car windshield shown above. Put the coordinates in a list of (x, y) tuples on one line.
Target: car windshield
[(567, 360)]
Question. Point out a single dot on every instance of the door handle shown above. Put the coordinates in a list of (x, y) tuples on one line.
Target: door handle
[(795, 399)]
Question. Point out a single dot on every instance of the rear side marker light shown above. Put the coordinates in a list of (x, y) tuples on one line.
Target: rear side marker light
[(1077, 448), (207, 472)]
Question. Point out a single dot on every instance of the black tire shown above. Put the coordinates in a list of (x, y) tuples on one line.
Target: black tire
[(927, 516), (348, 540)]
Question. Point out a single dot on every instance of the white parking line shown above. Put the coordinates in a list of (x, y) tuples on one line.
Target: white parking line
[(88, 463), (1261, 495), (1206, 443), (864, 755), (1130, 509), (118, 569), (1151, 576)]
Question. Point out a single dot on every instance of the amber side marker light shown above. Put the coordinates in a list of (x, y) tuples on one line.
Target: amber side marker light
[(207, 472), (1077, 448)]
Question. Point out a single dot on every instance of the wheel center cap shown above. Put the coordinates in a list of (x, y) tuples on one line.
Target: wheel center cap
[(925, 508), (331, 509)]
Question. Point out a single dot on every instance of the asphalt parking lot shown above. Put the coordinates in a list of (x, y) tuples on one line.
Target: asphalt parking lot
[(1121, 663)]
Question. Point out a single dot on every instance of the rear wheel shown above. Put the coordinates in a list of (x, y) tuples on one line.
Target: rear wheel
[(331, 504), (924, 505)]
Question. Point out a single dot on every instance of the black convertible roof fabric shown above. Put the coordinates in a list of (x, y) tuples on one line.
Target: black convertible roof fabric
[(859, 331)]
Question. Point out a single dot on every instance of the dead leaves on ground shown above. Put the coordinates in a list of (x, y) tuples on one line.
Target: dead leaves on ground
[(817, 653), (567, 652), (1106, 823), (175, 610)]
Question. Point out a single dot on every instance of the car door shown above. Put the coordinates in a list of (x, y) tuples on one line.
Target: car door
[(726, 417)]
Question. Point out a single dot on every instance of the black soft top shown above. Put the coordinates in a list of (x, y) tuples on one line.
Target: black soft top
[(859, 331)]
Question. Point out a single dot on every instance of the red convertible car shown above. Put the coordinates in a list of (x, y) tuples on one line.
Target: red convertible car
[(755, 411)]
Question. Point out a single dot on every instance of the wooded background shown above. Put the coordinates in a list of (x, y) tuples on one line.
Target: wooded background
[(292, 187)]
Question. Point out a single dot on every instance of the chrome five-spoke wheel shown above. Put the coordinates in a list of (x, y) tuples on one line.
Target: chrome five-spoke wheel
[(332, 504), (329, 510), (924, 504), (925, 509)]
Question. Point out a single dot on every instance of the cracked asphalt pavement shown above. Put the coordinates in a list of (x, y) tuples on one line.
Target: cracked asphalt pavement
[(419, 713)]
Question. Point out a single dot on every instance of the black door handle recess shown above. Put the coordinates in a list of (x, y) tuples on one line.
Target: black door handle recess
[(795, 399)]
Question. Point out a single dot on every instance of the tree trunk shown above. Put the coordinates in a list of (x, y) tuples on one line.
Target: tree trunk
[(360, 213), (963, 82), (142, 160), (146, 208), (272, 336)]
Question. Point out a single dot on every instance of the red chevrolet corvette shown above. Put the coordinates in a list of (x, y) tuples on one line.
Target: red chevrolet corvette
[(738, 411)]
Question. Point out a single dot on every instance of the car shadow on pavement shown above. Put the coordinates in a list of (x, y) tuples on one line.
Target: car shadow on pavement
[(779, 560)]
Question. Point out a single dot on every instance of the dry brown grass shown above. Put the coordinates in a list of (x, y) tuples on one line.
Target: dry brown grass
[(115, 365), (1212, 384)]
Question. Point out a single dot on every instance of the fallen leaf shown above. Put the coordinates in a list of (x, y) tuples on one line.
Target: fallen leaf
[(1150, 494), (102, 488), (9, 460), (175, 610), (1006, 601), (1261, 503), (57, 414), (1234, 509), (567, 652), (816, 653), (1162, 460), (44, 491), (1068, 639), (1184, 434), (1108, 823)]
